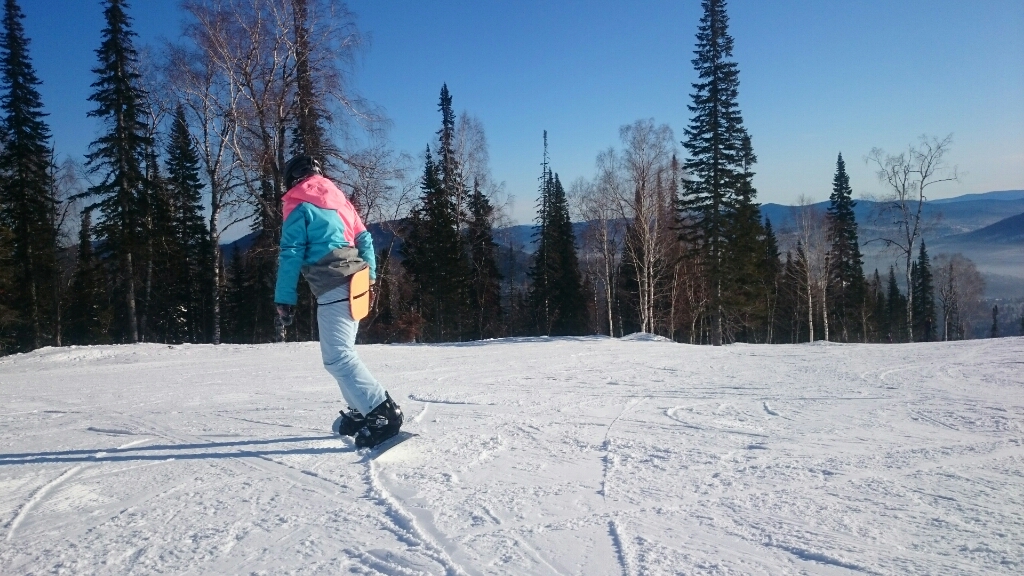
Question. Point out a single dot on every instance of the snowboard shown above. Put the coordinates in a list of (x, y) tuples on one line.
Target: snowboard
[(379, 450)]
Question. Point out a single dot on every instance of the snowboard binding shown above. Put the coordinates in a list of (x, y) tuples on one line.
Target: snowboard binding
[(348, 422), (382, 423)]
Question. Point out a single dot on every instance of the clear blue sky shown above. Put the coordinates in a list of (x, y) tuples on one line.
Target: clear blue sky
[(817, 78)]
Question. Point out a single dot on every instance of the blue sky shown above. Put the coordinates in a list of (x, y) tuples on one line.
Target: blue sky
[(817, 78)]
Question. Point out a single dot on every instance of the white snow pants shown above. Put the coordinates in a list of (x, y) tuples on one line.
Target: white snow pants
[(337, 346)]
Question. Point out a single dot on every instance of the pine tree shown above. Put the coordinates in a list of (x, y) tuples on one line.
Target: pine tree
[(896, 306), (26, 186), (556, 292), (715, 143), (118, 157), (846, 282), (744, 297), (85, 315), (434, 257), (485, 287), (770, 277), (235, 325), (189, 243), (308, 135), (879, 309), (924, 298), (9, 319)]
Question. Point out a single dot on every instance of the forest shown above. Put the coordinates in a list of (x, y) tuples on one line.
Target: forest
[(665, 237)]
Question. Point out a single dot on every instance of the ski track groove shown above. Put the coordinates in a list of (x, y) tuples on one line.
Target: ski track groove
[(610, 459), (417, 418), (406, 522), (620, 547), (38, 497)]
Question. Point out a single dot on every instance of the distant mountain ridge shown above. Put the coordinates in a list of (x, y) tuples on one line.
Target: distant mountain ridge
[(999, 195), (988, 228), (1006, 231)]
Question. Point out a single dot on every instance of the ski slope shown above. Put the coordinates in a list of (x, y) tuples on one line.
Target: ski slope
[(535, 456)]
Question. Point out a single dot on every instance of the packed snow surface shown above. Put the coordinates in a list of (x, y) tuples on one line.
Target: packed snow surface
[(534, 456)]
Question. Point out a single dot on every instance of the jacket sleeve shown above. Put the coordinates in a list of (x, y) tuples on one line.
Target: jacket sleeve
[(364, 244), (293, 251)]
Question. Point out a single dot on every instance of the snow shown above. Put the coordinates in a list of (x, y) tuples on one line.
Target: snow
[(534, 456)]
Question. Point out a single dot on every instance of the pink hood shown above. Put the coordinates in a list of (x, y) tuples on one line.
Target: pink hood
[(322, 193)]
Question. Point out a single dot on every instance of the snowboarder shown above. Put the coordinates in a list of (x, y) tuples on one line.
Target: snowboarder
[(324, 239)]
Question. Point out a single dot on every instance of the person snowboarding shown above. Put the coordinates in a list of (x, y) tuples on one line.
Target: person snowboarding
[(324, 239)]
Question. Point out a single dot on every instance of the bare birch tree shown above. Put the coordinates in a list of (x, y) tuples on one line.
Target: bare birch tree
[(907, 177), (641, 201), (959, 289), (812, 234), (601, 237)]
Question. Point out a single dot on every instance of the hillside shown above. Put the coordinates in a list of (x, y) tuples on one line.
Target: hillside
[(1006, 231), (534, 456)]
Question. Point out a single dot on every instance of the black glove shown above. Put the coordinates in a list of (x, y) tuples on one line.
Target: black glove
[(285, 314)]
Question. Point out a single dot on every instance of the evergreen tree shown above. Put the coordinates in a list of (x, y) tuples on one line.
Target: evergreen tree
[(188, 246), (485, 288), (744, 295), (434, 257), (716, 166), (994, 331), (26, 187), (9, 319), (118, 156), (846, 282), (924, 298), (896, 306), (556, 294), (308, 135), (85, 315), (235, 325), (771, 271), (879, 309)]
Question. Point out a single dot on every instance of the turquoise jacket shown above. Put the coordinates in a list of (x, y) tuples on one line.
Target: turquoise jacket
[(323, 238)]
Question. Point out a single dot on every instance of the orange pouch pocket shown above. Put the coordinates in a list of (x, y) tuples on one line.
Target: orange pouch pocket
[(359, 294)]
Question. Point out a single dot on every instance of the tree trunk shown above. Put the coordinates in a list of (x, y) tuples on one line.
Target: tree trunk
[(215, 246), (129, 296)]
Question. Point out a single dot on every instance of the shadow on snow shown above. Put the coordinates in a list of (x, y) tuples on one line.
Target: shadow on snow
[(176, 452)]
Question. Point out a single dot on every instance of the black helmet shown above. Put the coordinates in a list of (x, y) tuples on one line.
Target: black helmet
[(299, 168)]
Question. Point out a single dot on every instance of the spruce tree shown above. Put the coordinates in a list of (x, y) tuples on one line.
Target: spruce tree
[(879, 309), (770, 277), (9, 319), (924, 297), (715, 144), (189, 244), (85, 311), (896, 306), (434, 257), (308, 134), (118, 156), (744, 295), (556, 292), (569, 299), (846, 281), (26, 186), (485, 287)]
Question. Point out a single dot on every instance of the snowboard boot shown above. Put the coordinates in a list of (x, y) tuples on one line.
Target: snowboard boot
[(381, 423), (349, 422)]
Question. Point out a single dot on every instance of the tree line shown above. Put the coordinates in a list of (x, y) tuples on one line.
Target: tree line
[(195, 136)]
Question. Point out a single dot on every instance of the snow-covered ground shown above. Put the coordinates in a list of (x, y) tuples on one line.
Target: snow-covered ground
[(535, 456)]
